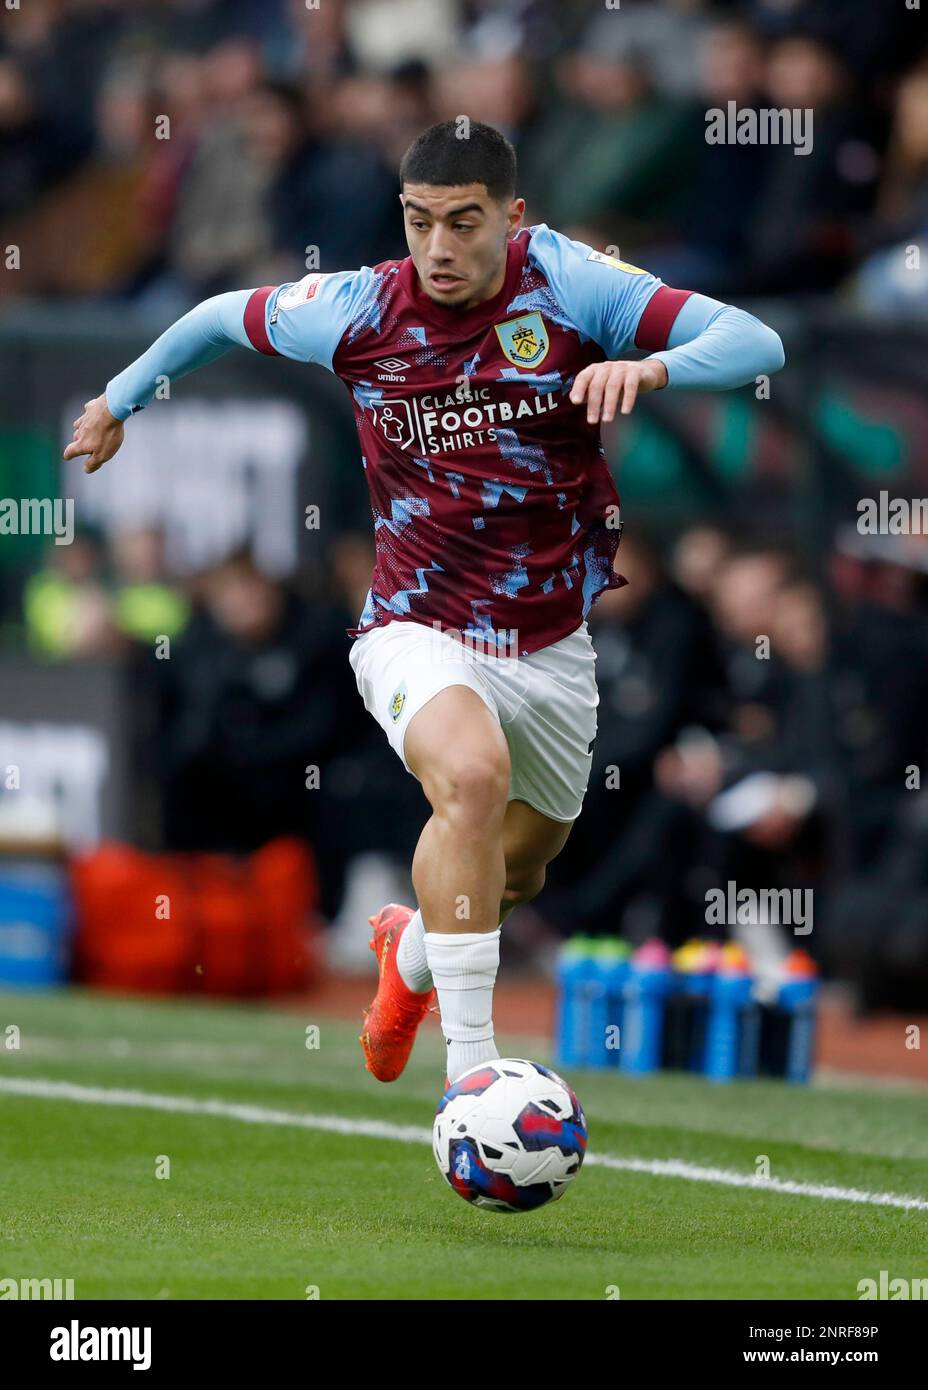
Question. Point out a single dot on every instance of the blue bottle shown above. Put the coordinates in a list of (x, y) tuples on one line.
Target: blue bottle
[(35, 925), (648, 983), (576, 975), (733, 1034), (606, 1002), (694, 965), (797, 996)]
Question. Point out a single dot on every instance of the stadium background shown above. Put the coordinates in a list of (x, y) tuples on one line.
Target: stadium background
[(286, 125)]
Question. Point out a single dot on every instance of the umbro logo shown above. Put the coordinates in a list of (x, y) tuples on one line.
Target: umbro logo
[(390, 366)]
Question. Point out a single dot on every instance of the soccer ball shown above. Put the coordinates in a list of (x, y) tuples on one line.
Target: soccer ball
[(509, 1135)]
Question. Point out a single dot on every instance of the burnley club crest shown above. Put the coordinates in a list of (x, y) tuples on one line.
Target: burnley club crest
[(524, 340)]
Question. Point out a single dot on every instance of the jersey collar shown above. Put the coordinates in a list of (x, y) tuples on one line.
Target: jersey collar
[(462, 321)]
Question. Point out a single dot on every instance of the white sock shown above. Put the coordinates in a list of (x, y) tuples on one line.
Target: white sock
[(411, 960), (464, 966)]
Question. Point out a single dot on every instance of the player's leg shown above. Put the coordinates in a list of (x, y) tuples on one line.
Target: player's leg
[(480, 854), (456, 748), (530, 841), (411, 675), (548, 705), (458, 751)]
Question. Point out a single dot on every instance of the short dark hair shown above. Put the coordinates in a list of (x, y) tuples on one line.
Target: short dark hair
[(444, 155)]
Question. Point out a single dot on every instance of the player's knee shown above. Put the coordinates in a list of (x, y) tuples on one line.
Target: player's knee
[(471, 786), (522, 886)]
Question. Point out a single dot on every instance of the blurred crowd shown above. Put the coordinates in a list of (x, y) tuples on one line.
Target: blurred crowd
[(163, 150), (767, 730), (154, 152), (749, 729)]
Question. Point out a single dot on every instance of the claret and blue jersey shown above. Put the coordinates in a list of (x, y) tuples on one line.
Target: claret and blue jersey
[(494, 509)]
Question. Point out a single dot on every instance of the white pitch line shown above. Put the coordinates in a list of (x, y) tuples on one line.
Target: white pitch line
[(419, 1134), (678, 1168), (227, 1110)]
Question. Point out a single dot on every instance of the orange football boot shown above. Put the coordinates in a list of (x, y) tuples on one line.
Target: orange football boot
[(391, 1022)]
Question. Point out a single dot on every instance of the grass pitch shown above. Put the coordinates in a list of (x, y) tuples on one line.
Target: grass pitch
[(257, 1207)]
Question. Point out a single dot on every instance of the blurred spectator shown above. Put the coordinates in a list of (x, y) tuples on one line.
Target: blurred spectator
[(146, 605), (89, 603), (255, 695), (697, 554), (874, 40), (658, 672), (800, 236), (67, 608), (903, 200), (892, 279), (499, 87), (627, 148), (382, 33), (726, 180), (744, 597), (262, 732), (220, 227), (763, 789), (667, 37), (336, 196), (34, 151), (879, 679)]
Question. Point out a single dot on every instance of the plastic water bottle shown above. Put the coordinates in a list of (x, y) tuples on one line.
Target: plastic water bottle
[(797, 996), (576, 973), (648, 983), (687, 1028), (734, 1021), (35, 925), (606, 1002)]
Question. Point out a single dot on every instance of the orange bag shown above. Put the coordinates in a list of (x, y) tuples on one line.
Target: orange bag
[(198, 923)]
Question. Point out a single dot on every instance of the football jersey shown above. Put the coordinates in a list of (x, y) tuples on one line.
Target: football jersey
[(495, 514)]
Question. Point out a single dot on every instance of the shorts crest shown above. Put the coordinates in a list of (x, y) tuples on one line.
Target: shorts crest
[(397, 701)]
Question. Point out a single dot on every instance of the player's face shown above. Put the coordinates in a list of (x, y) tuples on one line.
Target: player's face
[(457, 239)]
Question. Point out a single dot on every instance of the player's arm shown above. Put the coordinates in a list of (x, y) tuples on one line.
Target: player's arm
[(695, 342), (303, 321), (711, 346), (201, 336)]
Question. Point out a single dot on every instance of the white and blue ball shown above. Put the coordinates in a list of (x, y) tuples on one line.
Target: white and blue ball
[(509, 1135)]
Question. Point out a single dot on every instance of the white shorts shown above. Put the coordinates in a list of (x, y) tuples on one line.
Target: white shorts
[(545, 703)]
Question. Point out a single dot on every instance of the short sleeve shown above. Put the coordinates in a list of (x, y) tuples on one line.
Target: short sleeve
[(616, 304), (305, 319)]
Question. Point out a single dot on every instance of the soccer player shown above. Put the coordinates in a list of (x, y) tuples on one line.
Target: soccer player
[(480, 368)]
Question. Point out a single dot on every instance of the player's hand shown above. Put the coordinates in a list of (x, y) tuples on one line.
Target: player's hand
[(601, 384), (96, 433)]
